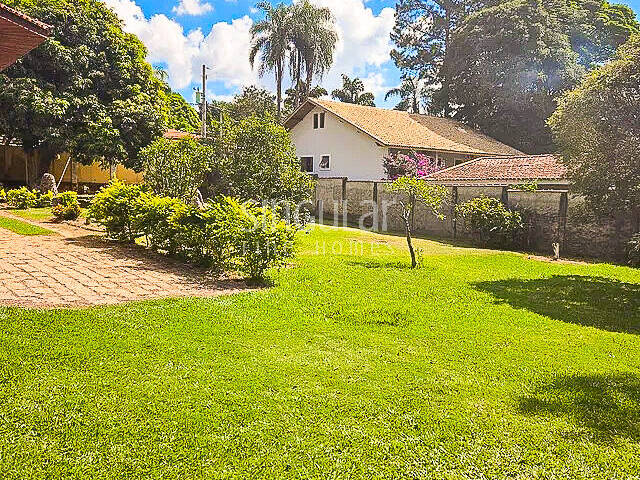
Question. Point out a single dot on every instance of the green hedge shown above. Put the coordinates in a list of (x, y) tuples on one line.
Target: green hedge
[(226, 235)]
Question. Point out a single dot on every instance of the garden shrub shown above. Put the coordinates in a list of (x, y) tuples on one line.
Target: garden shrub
[(22, 198), (66, 206), (490, 222), (633, 250), (117, 208), (257, 236), (152, 220), (44, 199), (3, 195), (225, 235)]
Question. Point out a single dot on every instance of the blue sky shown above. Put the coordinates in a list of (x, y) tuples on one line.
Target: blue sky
[(183, 34)]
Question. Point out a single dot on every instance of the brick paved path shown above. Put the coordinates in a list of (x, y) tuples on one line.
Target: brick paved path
[(78, 268)]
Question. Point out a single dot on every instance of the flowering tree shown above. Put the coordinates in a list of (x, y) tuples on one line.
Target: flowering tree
[(408, 172), (413, 190), (415, 165)]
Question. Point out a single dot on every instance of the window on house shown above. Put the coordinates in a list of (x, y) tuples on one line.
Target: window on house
[(318, 120), (306, 164), (325, 162)]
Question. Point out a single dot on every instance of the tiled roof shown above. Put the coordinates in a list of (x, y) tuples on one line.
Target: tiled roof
[(399, 129), (172, 134), (18, 35), (522, 168)]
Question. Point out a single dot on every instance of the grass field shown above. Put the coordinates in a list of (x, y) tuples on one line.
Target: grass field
[(39, 214), (22, 228), (479, 365)]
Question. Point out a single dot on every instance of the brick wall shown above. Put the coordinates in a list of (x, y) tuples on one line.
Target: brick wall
[(552, 216)]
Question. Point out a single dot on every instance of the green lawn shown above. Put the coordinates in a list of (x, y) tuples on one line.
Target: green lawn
[(22, 228), (37, 214), (40, 214), (479, 365)]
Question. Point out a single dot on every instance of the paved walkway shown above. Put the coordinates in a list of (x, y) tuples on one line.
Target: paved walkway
[(79, 268)]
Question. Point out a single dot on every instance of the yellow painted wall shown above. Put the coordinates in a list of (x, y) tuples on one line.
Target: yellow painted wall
[(12, 168), (93, 173)]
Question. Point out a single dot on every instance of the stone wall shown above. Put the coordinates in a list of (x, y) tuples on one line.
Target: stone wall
[(551, 216)]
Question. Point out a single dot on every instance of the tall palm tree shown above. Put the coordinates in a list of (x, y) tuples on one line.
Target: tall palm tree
[(270, 39), (352, 91), (410, 93), (314, 40)]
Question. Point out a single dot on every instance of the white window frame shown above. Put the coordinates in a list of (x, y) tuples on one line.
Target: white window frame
[(321, 119), (313, 162), (330, 162)]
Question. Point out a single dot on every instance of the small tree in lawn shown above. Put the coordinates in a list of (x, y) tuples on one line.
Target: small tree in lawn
[(408, 172)]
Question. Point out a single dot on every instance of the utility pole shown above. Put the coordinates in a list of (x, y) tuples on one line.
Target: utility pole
[(204, 101)]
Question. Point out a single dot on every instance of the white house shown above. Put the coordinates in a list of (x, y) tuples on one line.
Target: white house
[(335, 139)]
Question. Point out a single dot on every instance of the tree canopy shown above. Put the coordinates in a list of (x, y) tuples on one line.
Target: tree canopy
[(87, 90), (508, 65), (433, 40), (255, 159), (301, 35), (352, 91), (597, 129), (251, 101)]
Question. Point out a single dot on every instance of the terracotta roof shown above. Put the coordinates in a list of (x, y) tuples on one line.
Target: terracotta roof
[(172, 134), (397, 129), (19, 34), (508, 168)]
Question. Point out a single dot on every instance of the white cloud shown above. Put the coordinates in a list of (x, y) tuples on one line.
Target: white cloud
[(363, 47), (225, 48), (377, 84), (364, 38), (192, 7)]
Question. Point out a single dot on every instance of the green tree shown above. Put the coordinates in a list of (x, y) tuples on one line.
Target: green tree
[(352, 91), (597, 130), (176, 168), (252, 101), (508, 65), (181, 115), (422, 33), (270, 40), (87, 90), (411, 94), (255, 160), (313, 38), (414, 190), (295, 96)]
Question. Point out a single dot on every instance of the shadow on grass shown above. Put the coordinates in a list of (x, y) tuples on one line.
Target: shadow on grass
[(589, 301), (608, 405)]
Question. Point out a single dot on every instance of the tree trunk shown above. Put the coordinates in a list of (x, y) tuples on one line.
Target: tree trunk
[(279, 91), (309, 81), (407, 229)]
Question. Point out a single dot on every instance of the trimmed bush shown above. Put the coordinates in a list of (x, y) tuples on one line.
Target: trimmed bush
[(258, 237), (117, 207), (490, 222), (225, 235), (44, 200), (66, 206), (3, 195), (22, 198)]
